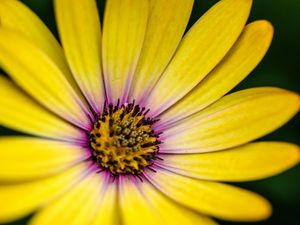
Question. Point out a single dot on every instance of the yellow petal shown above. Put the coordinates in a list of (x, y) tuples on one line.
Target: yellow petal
[(133, 205), (242, 58), (233, 120), (36, 73), (123, 35), (249, 162), (107, 211), (215, 199), (166, 24), (79, 29), (20, 199), (16, 15), (141, 203), (170, 212), (20, 112), (77, 207), (200, 51), (28, 158)]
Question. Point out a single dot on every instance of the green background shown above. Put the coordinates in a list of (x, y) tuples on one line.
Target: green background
[(281, 68)]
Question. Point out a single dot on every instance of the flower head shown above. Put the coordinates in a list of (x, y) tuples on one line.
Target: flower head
[(129, 125)]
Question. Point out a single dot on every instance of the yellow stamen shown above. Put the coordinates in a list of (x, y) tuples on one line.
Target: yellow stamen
[(123, 141)]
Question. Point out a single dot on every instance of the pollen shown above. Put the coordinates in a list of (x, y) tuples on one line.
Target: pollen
[(123, 141)]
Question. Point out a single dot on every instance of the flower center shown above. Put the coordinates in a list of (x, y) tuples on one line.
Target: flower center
[(122, 139)]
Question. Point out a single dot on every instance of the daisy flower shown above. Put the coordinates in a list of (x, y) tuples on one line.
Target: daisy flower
[(129, 125)]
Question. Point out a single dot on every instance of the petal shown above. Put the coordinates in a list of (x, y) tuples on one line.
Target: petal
[(166, 25), (233, 120), (28, 158), (123, 35), (36, 73), (219, 200), (79, 29), (242, 58), (20, 199), (20, 112), (107, 211), (77, 207), (132, 199), (153, 207), (249, 162), (17, 16), (201, 50), (170, 212)]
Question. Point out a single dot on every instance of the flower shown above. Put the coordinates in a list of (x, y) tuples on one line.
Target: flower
[(127, 127)]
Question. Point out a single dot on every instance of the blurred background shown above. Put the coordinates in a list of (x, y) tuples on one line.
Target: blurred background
[(280, 67)]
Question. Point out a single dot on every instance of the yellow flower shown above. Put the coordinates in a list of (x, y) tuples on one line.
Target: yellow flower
[(97, 155)]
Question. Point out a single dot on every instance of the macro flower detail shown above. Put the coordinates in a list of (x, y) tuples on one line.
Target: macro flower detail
[(123, 141), (131, 123)]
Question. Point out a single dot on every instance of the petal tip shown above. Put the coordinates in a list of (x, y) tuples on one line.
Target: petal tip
[(263, 210), (293, 100), (294, 155), (265, 25), (266, 210)]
